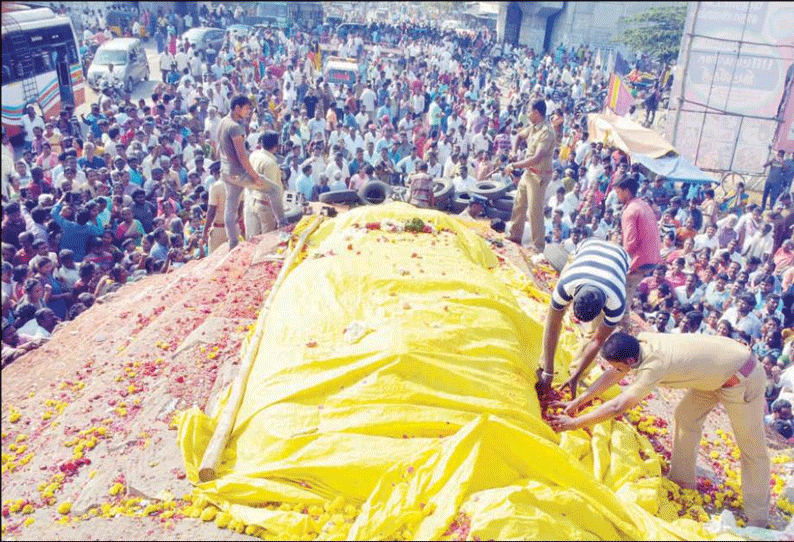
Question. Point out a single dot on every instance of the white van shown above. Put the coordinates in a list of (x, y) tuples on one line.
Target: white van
[(128, 59)]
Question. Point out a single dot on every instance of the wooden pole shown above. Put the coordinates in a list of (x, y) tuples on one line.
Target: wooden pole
[(220, 436)]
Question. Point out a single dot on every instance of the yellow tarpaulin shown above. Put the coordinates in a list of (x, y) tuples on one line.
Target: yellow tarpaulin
[(393, 397)]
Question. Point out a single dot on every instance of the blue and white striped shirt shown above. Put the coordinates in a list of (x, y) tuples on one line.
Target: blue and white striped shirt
[(596, 263)]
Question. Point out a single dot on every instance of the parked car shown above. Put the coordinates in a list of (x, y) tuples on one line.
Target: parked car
[(128, 59), (239, 30), (203, 37)]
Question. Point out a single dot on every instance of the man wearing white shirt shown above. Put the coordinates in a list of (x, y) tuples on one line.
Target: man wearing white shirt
[(368, 100), (353, 142), (454, 122), (407, 165), (337, 183), (338, 164), (481, 142), (186, 90), (370, 155), (217, 70), (371, 136), (759, 244), (581, 151), (317, 126), (418, 104), (557, 201), (406, 123), (166, 63), (290, 95), (572, 198), (29, 121), (464, 182), (196, 66), (707, 240), (362, 119), (317, 162), (212, 122), (444, 147), (182, 61), (463, 140), (434, 167)]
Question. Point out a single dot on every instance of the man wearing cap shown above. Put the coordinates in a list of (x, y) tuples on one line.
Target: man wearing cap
[(714, 370), (214, 175), (537, 175), (475, 208), (595, 280)]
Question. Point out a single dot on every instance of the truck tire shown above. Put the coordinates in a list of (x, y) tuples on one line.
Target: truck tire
[(489, 189), (374, 192), (293, 212), (460, 202), (504, 204), (493, 212), (443, 189), (342, 197)]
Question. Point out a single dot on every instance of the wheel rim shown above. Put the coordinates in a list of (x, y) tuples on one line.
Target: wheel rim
[(730, 180)]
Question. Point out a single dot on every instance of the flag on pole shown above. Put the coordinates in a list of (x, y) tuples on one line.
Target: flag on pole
[(619, 99), (621, 66), (598, 61)]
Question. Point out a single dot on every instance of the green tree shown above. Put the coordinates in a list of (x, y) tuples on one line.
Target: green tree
[(656, 31)]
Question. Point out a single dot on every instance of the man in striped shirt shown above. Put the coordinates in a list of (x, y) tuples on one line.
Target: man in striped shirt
[(595, 280), (420, 188)]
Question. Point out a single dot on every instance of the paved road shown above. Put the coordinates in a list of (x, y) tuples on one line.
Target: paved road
[(143, 89)]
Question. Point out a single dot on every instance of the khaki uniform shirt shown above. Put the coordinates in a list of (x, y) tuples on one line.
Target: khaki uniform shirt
[(540, 139), (689, 361), (217, 197), (264, 163)]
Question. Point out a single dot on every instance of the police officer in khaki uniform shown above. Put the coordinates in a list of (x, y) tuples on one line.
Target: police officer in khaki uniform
[(714, 370), (532, 187), (214, 234), (259, 212)]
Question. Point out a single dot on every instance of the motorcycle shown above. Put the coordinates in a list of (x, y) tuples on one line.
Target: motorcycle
[(113, 85)]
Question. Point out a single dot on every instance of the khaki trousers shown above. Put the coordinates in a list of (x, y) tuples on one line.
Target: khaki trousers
[(216, 238), (744, 404), (259, 218), (529, 206), (633, 280)]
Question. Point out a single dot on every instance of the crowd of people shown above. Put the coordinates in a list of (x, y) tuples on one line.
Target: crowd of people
[(133, 187)]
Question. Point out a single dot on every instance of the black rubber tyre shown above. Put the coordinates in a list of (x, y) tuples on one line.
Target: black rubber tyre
[(493, 212), (374, 192), (443, 189), (342, 197), (460, 202), (504, 204), (293, 213), (490, 189)]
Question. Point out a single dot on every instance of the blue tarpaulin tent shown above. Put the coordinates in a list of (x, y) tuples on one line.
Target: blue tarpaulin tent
[(675, 168)]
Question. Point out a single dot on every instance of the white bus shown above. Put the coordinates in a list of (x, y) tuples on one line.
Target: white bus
[(41, 63)]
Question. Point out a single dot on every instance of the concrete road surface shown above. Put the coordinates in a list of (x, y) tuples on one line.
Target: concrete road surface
[(143, 89)]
